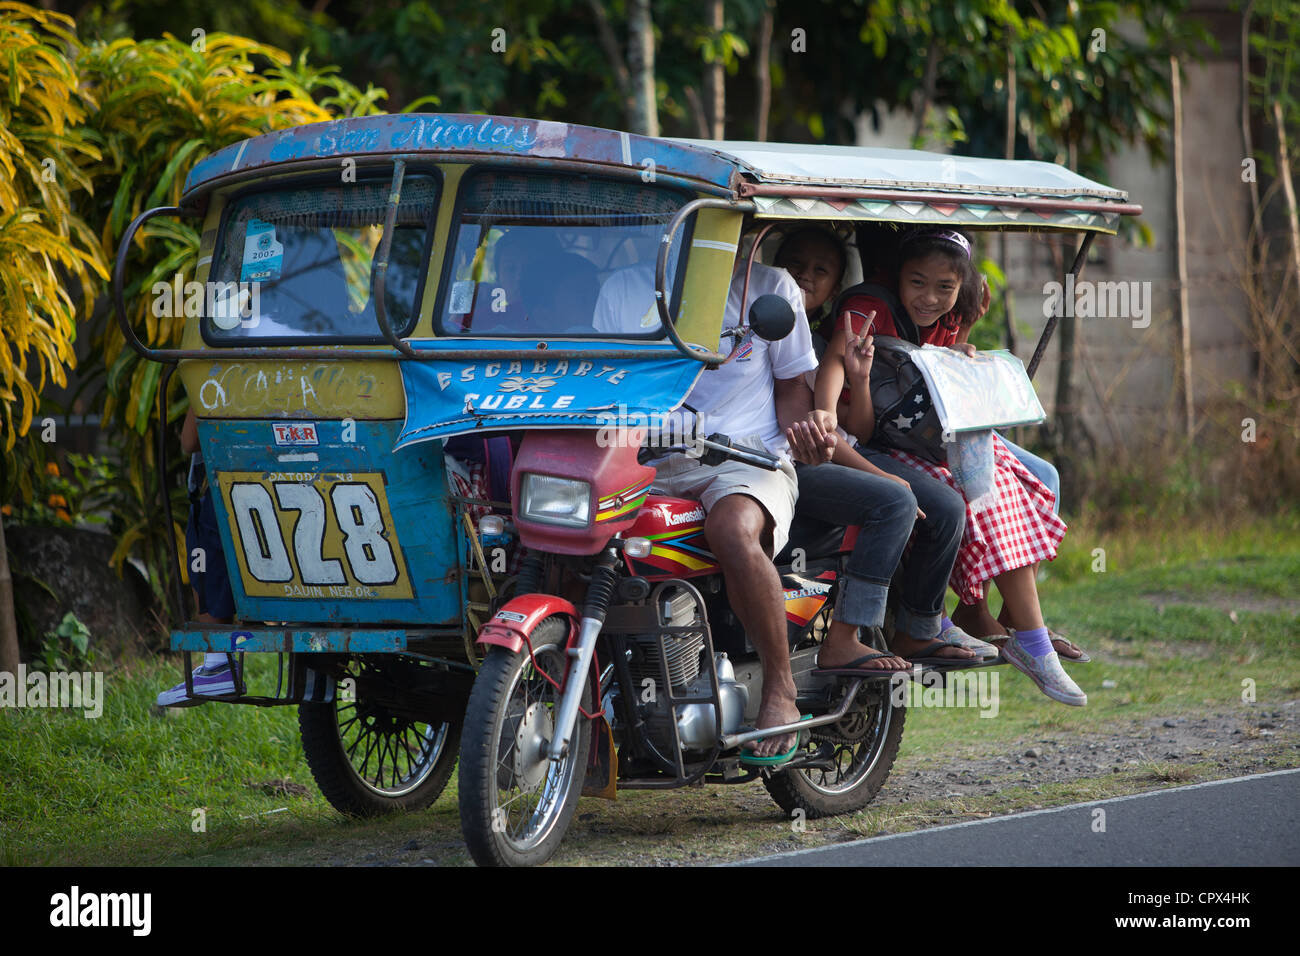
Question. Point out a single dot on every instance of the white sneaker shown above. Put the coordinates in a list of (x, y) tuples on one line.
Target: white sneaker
[(1046, 672), (209, 681)]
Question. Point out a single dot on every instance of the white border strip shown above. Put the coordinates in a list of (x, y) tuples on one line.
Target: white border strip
[(239, 155), (713, 244), (1014, 816)]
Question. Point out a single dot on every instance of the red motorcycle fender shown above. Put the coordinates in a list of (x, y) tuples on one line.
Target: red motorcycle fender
[(520, 617)]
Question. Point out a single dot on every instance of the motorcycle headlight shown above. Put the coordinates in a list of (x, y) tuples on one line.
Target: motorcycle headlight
[(550, 500)]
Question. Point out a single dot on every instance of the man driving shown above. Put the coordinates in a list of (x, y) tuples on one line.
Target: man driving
[(759, 399)]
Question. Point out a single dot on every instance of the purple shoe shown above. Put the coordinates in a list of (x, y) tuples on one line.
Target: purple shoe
[(1046, 672), (214, 681)]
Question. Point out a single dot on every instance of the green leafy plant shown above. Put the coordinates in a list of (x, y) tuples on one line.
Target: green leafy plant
[(66, 499), (67, 647)]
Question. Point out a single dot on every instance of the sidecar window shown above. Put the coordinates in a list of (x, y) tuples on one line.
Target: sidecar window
[(545, 255), (297, 265)]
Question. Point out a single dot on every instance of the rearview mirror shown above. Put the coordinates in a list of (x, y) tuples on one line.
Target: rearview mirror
[(771, 317)]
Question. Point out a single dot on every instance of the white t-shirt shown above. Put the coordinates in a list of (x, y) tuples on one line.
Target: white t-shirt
[(738, 399), (626, 303)]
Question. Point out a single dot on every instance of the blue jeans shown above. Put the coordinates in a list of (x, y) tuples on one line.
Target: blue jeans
[(1044, 471), (886, 513)]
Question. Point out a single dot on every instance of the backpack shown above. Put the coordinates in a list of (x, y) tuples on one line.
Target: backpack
[(906, 418)]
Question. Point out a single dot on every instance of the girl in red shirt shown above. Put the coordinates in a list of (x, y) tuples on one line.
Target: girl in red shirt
[(936, 283)]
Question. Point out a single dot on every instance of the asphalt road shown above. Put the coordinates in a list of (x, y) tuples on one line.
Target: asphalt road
[(1242, 821)]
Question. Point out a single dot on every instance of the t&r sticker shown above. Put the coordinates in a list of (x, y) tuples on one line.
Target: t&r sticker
[(295, 433)]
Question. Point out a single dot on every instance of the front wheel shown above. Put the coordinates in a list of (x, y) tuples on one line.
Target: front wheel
[(515, 802)]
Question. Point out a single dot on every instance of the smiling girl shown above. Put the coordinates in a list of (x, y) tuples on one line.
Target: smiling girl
[(936, 284)]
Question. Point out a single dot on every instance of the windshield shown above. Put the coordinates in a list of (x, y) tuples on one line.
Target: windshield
[(301, 262), (545, 255)]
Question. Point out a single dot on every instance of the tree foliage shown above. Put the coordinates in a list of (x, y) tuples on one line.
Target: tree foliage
[(43, 241), (92, 135)]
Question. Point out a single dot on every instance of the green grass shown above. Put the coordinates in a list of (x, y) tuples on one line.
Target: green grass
[(122, 789), (126, 785)]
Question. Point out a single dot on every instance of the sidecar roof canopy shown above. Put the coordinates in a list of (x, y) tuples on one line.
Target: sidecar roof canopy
[(784, 181)]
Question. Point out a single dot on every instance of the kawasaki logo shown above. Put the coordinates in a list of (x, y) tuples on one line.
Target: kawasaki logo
[(672, 520)]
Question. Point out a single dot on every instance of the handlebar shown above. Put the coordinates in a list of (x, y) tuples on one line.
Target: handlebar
[(720, 447), (716, 449)]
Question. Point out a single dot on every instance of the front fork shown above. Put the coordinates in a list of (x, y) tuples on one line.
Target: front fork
[(599, 592)]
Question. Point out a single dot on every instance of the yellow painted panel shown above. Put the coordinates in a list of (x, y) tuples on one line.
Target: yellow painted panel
[(314, 536), (708, 275), (442, 239), (363, 390)]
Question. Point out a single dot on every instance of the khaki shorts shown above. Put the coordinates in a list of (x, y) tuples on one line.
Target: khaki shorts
[(682, 476)]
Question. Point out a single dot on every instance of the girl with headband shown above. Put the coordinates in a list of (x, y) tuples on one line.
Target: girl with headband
[(935, 286)]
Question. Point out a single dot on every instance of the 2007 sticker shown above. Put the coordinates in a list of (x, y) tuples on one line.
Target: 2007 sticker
[(263, 255)]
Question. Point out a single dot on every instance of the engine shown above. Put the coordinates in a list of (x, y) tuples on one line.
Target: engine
[(681, 657)]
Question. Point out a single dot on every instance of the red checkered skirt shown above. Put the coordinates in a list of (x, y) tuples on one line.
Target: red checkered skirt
[(1015, 530)]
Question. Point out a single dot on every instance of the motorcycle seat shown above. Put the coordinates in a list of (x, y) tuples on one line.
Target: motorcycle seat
[(817, 539)]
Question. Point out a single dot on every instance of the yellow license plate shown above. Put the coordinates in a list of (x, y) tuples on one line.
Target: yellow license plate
[(314, 536)]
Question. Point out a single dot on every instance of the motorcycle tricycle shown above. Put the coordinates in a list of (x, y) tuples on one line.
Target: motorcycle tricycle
[(402, 361)]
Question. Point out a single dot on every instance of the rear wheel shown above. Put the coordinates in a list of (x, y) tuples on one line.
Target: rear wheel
[(368, 759), (864, 746), (515, 802)]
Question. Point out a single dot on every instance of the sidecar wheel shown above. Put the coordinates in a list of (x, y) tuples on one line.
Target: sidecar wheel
[(368, 760), (515, 803)]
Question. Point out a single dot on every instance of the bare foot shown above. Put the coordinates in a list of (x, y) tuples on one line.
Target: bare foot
[(841, 648), (907, 647), (976, 621), (773, 713)]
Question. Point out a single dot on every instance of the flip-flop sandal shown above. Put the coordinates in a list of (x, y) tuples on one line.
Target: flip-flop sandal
[(852, 668), (1058, 642), (946, 663), (748, 757)]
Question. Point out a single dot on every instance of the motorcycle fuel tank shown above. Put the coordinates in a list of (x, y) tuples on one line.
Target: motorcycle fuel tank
[(675, 529)]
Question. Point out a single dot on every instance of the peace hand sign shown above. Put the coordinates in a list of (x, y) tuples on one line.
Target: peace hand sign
[(859, 350)]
